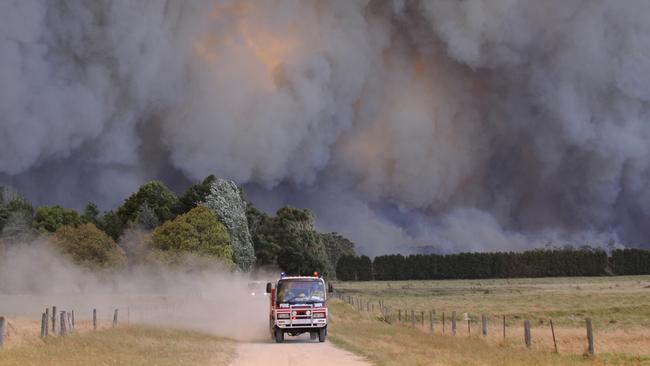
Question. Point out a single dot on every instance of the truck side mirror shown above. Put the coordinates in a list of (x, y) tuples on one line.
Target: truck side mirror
[(330, 288), (268, 287)]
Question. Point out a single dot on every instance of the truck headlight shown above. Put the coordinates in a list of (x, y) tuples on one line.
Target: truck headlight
[(319, 315), (283, 315), (308, 313)]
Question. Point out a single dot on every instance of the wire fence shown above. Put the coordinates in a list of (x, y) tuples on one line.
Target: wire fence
[(455, 323)]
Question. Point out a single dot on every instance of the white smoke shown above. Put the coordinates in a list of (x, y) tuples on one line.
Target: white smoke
[(483, 124)]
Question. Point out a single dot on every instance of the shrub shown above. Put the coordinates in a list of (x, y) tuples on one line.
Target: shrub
[(196, 232), (89, 246)]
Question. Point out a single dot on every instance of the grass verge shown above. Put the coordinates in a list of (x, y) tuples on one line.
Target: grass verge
[(387, 345), (124, 346)]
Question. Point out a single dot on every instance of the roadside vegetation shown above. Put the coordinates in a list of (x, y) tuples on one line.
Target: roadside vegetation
[(619, 307), (124, 346), (212, 219)]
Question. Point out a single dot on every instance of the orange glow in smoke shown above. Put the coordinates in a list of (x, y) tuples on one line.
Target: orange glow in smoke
[(269, 47)]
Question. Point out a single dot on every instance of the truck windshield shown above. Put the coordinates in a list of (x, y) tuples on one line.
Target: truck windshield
[(301, 291)]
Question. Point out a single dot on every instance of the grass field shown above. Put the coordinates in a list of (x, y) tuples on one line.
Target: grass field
[(619, 307), (122, 346)]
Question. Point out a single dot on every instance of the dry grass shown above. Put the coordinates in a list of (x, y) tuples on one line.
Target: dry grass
[(119, 346), (23, 332), (619, 307), (387, 345)]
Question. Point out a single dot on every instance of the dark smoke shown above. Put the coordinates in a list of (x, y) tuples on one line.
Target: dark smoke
[(462, 125)]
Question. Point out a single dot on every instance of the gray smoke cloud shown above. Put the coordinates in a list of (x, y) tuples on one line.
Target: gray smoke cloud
[(463, 125)]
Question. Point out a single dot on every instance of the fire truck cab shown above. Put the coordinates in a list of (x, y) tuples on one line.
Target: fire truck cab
[(298, 305)]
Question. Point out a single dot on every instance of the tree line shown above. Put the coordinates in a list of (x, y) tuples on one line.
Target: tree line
[(566, 262), (155, 225)]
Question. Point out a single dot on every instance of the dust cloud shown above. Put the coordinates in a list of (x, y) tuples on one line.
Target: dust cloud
[(192, 295)]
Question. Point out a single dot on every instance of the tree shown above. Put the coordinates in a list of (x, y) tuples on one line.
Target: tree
[(352, 268), (90, 214), (16, 215), (303, 253), (90, 247), (630, 261), (51, 218), (160, 199), (336, 246), (228, 204), (14, 205), (195, 232), (364, 268), (194, 195), (346, 268), (147, 218), (290, 241), (111, 224), (255, 218)]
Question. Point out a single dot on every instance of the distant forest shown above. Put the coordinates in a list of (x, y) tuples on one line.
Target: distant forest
[(566, 262)]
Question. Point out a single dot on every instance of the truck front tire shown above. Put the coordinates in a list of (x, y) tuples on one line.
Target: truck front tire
[(279, 335), (322, 333)]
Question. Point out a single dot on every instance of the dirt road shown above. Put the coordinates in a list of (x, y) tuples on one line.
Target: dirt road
[(297, 351)]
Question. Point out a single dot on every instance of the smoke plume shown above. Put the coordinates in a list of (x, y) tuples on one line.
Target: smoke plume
[(462, 125)]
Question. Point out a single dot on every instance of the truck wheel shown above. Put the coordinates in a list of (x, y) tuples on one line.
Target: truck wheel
[(279, 335), (313, 335), (322, 333)]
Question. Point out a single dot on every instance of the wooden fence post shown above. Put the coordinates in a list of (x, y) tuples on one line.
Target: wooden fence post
[(43, 325), (484, 325), (399, 315), (2, 331), (453, 322), (70, 327), (54, 313), (443, 322), (62, 331), (115, 318), (433, 321), (412, 318), (504, 327), (590, 337), (527, 337), (553, 333), (47, 320), (94, 319), (469, 329), (422, 318), (73, 325)]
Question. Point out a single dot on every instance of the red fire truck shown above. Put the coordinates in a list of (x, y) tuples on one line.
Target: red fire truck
[(298, 305)]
